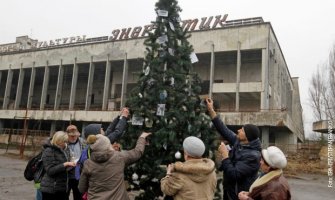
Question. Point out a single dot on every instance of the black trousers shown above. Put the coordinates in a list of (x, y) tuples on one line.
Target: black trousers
[(73, 185), (55, 196)]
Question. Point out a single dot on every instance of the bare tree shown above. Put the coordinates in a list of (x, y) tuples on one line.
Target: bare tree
[(315, 94), (322, 90)]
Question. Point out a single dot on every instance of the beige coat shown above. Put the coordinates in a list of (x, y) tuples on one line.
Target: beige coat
[(192, 180), (103, 173)]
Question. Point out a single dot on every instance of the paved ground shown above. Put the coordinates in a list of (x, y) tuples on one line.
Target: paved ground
[(14, 187)]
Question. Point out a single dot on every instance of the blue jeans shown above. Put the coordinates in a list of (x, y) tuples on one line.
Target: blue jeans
[(38, 194)]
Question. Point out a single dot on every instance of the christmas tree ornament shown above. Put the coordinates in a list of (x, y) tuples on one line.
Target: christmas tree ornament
[(160, 110), (148, 122), (162, 39), (171, 26), (171, 51), (155, 180), (140, 95), (137, 120), (150, 82), (163, 95), (177, 155), (134, 177), (147, 71), (184, 108), (193, 57), (162, 13), (172, 81)]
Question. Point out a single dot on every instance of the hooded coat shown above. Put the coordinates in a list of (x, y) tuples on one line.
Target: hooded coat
[(193, 179), (240, 169), (103, 173)]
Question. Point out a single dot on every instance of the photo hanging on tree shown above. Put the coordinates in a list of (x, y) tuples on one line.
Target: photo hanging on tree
[(193, 57), (160, 110), (137, 120), (163, 13)]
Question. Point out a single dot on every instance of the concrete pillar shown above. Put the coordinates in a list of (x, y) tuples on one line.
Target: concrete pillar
[(89, 85), (31, 86), (8, 88), (238, 77), (265, 136), (265, 80), (107, 84), (211, 74), (53, 127), (124, 81), (45, 86), (1, 126), (19, 88), (73, 85), (59, 88)]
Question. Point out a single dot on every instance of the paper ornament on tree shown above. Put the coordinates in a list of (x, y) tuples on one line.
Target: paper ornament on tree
[(171, 26), (163, 13), (148, 122), (134, 177), (171, 51), (137, 120), (147, 71), (160, 110), (193, 57), (163, 95), (162, 39)]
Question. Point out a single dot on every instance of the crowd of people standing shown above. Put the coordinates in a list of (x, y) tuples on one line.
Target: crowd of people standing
[(93, 167)]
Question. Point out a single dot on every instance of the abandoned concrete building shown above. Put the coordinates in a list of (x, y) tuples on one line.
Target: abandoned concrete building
[(47, 85)]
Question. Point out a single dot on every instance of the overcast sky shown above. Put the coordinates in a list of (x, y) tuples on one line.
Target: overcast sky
[(305, 29)]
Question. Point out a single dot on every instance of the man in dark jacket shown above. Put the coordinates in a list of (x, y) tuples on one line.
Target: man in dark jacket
[(240, 165)]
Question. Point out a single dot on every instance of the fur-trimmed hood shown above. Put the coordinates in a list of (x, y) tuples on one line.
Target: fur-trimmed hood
[(197, 169)]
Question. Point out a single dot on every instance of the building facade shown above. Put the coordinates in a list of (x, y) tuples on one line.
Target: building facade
[(78, 80)]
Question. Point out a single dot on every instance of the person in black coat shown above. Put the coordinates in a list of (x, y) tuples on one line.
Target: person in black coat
[(240, 165), (56, 163)]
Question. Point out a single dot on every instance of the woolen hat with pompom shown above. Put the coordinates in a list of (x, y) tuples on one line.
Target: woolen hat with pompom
[(99, 142)]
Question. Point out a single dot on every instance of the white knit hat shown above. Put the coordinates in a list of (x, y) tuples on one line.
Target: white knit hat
[(274, 157), (101, 144), (194, 146)]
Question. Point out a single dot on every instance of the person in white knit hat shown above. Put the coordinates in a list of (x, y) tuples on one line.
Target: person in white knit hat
[(271, 184), (193, 179), (103, 174)]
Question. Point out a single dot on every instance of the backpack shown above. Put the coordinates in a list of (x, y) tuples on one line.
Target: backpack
[(34, 169), (85, 154)]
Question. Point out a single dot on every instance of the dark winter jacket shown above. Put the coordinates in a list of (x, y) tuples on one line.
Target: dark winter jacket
[(55, 178), (116, 128), (240, 169), (271, 186)]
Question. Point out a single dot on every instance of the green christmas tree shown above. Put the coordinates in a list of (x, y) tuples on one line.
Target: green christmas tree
[(165, 102)]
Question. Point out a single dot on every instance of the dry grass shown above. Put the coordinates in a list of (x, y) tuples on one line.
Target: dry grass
[(297, 165)]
